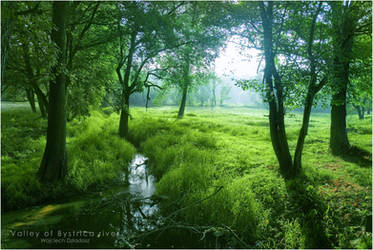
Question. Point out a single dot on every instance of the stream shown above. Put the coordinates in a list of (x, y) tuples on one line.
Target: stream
[(111, 219), (127, 215)]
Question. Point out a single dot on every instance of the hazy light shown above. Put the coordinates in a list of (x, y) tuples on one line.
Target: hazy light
[(237, 62)]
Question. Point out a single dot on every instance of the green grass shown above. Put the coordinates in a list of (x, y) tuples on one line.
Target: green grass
[(95, 157), (327, 206), (219, 165)]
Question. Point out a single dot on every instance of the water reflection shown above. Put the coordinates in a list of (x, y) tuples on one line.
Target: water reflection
[(114, 217)]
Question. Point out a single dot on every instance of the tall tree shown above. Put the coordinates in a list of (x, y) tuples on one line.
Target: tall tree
[(54, 163), (348, 20), (145, 30), (200, 36), (298, 71)]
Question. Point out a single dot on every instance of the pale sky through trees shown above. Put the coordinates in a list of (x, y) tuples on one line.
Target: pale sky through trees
[(237, 62)]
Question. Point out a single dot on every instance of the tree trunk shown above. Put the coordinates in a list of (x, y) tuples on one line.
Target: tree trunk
[(124, 114), (311, 92), (214, 94), (186, 84), (339, 143), (31, 99), (360, 111), (274, 96), (43, 103), (303, 132), (183, 101), (343, 40), (7, 17), (54, 164)]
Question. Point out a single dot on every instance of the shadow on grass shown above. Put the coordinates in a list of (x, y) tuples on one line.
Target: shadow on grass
[(308, 207), (359, 156)]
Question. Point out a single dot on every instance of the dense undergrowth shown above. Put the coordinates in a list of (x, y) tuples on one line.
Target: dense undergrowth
[(220, 168), (215, 168), (95, 157)]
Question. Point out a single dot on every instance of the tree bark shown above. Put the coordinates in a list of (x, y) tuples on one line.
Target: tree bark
[(343, 41), (303, 132), (186, 84), (7, 13), (183, 101), (54, 164), (31, 99), (274, 96), (360, 111), (311, 92), (124, 115), (43, 102)]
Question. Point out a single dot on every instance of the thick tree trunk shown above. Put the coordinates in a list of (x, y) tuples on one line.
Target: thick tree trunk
[(339, 143), (31, 99), (343, 41), (183, 101), (54, 164), (124, 114)]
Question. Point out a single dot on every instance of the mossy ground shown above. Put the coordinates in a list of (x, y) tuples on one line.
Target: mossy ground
[(222, 154)]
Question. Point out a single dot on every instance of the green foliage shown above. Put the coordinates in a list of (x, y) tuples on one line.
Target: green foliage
[(95, 157)]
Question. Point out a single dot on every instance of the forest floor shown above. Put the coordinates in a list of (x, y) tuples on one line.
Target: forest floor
[(215, 169)]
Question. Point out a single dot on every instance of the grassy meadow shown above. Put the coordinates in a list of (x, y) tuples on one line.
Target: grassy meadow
[(215, 167)]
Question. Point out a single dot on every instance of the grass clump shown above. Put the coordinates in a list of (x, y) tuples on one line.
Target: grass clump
[(219, 169), (96, 157)]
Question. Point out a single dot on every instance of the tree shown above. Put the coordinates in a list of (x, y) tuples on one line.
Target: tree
[(299, 69), (90, 34), (29, 53), (224, 94), (145, 30), (359, 90), (54, 163), (349, 19), (201, 37)]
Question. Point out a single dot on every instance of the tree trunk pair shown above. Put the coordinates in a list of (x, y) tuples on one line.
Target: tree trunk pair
[(274, 96), (54, 164)]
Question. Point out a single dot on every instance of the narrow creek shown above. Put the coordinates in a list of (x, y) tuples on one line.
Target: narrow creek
[(127, 215), (110, 219)]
